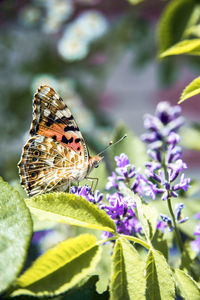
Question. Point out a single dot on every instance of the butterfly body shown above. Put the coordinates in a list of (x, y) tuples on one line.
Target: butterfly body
[(56, 154)]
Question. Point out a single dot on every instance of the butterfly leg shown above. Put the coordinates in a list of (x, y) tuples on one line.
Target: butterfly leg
[(96, 180), (71, 181), (70, 185)]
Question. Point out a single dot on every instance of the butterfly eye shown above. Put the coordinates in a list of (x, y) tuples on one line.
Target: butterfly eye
[(96, 164)]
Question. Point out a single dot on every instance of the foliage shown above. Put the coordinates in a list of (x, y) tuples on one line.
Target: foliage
[(191, 90), (71, 209), (60, 268), (15, 234), (178, 34), (135, 224), (136, 274), (173, 22)]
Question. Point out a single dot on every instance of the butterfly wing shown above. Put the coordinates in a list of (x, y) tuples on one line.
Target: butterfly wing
[(56, 154), (52, 118)]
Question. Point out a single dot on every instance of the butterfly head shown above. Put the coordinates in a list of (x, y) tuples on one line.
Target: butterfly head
[(94, 161)]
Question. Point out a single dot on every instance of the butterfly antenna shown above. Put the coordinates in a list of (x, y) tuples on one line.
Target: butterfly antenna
[(111, 144)]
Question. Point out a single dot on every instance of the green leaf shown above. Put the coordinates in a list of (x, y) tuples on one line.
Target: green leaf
[(86, 291), (103, 270), (147, 214), (71, 209), (60, 268), (187, 257), (173, 22), (191, 47), (15, 234), (151, 215), (160, 243), (127, 280), (192, 89), (131, 146), (188, 288), (160, 284)]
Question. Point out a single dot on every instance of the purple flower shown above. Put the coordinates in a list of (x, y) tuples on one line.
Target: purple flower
[(112, 181), (39, 235), (116, 207), (121, 210), (85, 192), (151, 190), (197, 216), (197, 230), (124, 169), (167, 221), (173, 138), (129, 226), (164, 151), (183, 184), (123, 172), (167, 113), (119, 207), (178, 213), (195, 245), (137, 186), (159, 178), (161, 225), (122, 160)]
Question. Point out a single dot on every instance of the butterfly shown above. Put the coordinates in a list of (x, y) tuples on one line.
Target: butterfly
[(56, 153)]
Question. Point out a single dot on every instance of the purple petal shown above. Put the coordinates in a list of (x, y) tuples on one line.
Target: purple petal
[(122, 160), (195, 245)]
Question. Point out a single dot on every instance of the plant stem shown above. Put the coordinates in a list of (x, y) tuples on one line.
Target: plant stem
[(178, 236), (128, 237), (136, 240), (107, 240), (177, 233)]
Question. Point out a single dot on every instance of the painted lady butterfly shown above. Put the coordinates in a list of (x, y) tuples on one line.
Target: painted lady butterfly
[(56, 154)]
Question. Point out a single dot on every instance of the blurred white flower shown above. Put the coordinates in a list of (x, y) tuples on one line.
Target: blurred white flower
[(75, 30), (43, 79), (51, 25), (60, 9), (72, 48), (57, 11), (29, 15), (80, 33), (93, 23)]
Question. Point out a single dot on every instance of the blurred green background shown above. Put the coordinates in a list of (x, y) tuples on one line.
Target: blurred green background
[(101, 56)]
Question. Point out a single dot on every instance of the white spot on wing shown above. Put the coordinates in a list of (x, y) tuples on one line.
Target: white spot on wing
[(61, 113), (56, 96), (40, 139), (46, 112), (45, 90), (67, 112)]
